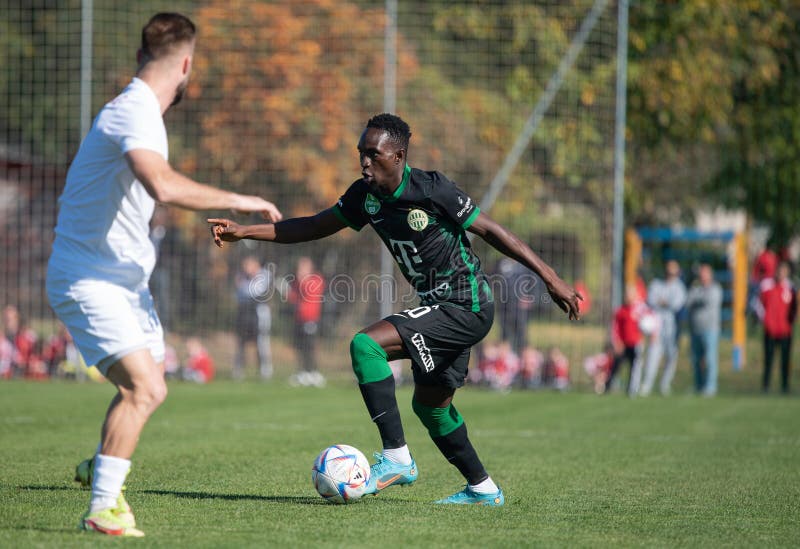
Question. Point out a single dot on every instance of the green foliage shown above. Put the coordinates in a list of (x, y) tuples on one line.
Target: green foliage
[(712, 93), (35, 43)]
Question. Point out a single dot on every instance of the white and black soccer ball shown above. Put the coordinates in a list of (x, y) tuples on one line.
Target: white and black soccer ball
[(340, 474)]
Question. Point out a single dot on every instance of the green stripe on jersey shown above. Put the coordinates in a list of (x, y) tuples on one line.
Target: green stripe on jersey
[(399, 190), (473, 281), (471, 219)]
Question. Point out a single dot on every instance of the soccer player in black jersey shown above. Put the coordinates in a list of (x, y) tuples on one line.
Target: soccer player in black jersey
[(422, 218)]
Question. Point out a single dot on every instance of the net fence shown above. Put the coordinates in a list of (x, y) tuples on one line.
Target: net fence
[(279, 95)]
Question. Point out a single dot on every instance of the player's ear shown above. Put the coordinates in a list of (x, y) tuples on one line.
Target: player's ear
[(399, 156), (187, 64)]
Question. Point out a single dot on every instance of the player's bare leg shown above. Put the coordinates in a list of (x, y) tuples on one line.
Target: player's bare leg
[(141, 386), (370, 350)]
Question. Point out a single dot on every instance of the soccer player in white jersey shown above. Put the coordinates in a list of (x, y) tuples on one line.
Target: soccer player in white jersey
[(97, 278)]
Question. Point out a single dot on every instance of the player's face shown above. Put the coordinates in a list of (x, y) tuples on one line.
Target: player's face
[(186, 67), (381, 161)]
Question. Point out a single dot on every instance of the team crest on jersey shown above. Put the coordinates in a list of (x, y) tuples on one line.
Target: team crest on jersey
[(372, 204), (417, 220)]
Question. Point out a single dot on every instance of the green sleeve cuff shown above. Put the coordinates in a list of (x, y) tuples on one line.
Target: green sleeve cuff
[(471, 219), (338, 213)]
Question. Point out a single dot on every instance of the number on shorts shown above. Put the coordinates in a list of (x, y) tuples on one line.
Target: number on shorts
[(419, 311)]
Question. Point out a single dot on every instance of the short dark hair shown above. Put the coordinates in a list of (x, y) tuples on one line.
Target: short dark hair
[(396, 127), (164, 32)]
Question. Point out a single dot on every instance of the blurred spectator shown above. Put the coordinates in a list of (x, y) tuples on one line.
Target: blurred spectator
[(666, 297), (306, 292), (779, 308), (515, 306), (70, 364), (6, 358), (531, 366), (585, 305), (498, 366), (704, 303), (763, 268), (598, 367), (253, 317), (54, 352), (36, 368), (172, 365), (397, 371), (556, 369), (627, 340), (765, 265), (21, 340), (199, 364)]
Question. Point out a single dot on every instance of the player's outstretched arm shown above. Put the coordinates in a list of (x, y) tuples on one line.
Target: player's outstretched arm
[(166, 185), (289, 231), (509, 244)]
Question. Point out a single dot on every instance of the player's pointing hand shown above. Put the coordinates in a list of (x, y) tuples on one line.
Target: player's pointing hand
[(225, 229)]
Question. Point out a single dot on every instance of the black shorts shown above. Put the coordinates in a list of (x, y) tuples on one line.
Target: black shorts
[(438, 339)]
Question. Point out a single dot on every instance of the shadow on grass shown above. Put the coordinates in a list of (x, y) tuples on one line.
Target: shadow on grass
[(40, 487), (302, 500)]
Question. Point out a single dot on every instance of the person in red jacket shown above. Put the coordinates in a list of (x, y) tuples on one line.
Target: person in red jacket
[(306, 292), (778, 298), (199, 364), (627, 338)]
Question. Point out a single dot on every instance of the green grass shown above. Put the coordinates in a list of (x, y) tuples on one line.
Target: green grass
[(228, 465)]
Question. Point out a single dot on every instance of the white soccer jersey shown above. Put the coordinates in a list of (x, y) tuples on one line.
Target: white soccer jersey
[(104, 211)]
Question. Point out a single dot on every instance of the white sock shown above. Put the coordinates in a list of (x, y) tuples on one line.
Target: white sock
[(109, 476), (398, 455), (486, 487)]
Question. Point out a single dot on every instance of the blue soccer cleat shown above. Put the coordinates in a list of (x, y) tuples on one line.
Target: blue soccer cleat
[(468, 497), (386, 473)]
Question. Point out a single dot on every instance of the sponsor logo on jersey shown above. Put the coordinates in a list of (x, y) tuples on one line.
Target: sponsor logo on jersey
[(424, 352), (417, 220), (372, 204), (466, 207), (442, 290)]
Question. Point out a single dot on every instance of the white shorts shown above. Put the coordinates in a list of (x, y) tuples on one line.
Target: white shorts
[(107, 321)]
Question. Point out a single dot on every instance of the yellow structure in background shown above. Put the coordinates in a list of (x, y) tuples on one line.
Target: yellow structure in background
[(737, 263), (740, 282), (633, 256)]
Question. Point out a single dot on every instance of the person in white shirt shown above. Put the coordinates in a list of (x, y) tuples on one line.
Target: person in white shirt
[(102, 258), (666, 297)]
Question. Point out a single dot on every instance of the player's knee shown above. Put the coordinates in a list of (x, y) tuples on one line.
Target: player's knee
[(439, 421), (150, 394), (369, 360), (159, 392)]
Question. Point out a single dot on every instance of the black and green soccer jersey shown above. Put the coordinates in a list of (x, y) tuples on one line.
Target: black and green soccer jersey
[(423, 225)]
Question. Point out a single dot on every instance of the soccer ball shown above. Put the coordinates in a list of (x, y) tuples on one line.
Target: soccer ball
[(340, 474)]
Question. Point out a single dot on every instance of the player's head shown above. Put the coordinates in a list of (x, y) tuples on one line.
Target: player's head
[(397, 129), (305, 267), (382, 151), (168, 40), (784, 270), (673, 269), (705, 274), (251, 265)]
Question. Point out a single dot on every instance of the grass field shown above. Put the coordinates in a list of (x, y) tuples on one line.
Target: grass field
[(228, 465)]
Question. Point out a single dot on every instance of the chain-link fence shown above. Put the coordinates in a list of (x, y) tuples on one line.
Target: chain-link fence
[(279, 96)]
